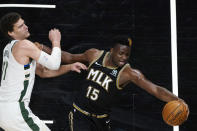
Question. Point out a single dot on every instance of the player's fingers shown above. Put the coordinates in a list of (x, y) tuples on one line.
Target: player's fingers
[(81, 66), (77, 70), (84, 67)]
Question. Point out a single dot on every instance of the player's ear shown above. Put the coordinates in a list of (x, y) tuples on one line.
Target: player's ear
[(11, 33)]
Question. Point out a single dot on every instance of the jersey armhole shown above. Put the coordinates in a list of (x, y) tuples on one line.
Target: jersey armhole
[(117, 80), (96, 58), (14, 42)]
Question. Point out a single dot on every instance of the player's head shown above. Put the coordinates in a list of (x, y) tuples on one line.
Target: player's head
[(13, 26), (120, 50)]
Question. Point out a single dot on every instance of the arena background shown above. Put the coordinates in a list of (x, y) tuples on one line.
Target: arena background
[(88, 24)]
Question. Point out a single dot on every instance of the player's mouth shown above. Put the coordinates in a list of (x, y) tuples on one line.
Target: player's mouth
[(122, 62)]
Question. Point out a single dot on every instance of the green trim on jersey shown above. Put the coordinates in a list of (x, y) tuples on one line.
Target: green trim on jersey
[(26, 76), (28, 119), (5, 64), (26, 83)]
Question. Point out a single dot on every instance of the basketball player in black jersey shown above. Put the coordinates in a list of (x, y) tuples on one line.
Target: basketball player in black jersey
[(107, 74)]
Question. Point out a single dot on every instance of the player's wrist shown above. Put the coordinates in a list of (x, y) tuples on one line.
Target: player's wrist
[(56, 43), (69, 67)]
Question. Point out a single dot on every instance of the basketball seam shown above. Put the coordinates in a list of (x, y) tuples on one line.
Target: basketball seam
[(173, 112)]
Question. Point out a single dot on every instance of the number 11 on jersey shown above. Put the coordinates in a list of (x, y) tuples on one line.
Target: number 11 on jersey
[(92, 93), (4, 68)]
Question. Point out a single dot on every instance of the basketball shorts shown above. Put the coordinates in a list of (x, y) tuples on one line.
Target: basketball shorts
[(17, 116), (81, 122)]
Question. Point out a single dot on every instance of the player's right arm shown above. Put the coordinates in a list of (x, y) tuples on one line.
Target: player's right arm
[(45, 73), (25, 49), (87, 57)]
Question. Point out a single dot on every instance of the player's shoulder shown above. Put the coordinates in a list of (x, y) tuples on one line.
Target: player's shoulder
[(24, 44), (93, 50), (92, 54), (132, 74), (132, 71)]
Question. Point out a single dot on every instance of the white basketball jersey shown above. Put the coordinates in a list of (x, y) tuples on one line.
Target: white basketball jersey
[(17, 80)]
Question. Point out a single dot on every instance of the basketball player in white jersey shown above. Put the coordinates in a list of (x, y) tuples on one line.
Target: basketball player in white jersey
[(20, 58)]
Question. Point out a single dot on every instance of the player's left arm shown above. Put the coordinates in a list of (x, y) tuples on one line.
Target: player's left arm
[(141, 81), (46, 73)]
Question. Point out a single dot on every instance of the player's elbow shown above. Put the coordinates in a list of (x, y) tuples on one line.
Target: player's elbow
[(54, 66), (45, 74), (52, 61)]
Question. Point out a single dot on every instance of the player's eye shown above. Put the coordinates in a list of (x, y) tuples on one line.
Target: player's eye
[(121, 53)]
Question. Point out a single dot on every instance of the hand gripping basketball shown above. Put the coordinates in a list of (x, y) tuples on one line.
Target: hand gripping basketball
[(175, 112)]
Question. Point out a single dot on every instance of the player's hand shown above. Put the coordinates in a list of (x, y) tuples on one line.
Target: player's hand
[(187, 107), (77, 67), (55, 37), (40, 46), (187, 110)]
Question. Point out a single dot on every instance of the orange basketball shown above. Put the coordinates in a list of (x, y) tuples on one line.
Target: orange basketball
[(175, 113)]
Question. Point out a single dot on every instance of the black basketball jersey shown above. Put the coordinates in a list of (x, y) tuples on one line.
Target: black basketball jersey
[(99, 89)]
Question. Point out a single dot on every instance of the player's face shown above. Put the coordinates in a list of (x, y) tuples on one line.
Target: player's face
[(20, 30), (120, 54)]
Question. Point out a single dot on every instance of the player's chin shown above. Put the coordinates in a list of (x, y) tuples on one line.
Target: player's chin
[(120, 64), (27, 34)]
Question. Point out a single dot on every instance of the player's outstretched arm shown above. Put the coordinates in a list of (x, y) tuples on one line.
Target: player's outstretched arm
[(45, 73), (139, 79), (87, 57), (159, 92)]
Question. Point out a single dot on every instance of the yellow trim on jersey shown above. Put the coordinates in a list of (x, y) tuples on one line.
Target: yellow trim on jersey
[(110, 67), (96, 59), (70, 115), (117, 80), (89, 114)]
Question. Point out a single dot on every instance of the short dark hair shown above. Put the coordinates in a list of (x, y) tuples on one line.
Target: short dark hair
[(123, 40), (7, 22)]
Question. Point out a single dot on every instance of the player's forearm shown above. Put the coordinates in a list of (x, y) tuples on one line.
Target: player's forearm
[(65, 55), (165, 95), (54, 73)]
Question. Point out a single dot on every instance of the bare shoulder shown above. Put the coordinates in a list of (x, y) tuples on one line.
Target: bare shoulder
[(92, 54), (24, 44), (92, 51), (26, 48), (133, 74)]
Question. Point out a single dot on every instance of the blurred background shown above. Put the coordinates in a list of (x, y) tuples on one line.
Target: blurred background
[(86, 24)]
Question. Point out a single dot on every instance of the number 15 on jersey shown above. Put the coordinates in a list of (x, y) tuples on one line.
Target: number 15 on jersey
[(92, 93)]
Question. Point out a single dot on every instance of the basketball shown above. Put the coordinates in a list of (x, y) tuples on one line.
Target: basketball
[(175, 113)]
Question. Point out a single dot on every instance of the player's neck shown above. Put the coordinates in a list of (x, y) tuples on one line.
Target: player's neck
[(109, 62)]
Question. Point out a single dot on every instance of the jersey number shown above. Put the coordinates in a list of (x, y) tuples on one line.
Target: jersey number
[(92, 93), (4, 68)]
